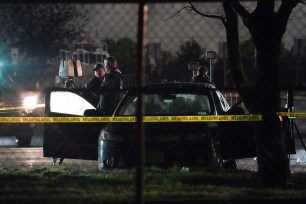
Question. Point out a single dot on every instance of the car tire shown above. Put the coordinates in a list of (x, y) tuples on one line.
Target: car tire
[(216, 158), (230, 164), (101, 163), (109, 162), (24, 140)]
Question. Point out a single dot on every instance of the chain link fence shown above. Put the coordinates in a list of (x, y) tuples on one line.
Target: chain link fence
[(37, 53)]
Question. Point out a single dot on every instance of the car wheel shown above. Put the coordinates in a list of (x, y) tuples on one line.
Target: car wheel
[(215, 150), (25, 134), (216, 158), (24, 140), (106, 161), (100, 154), (103, 163), (230, 164)]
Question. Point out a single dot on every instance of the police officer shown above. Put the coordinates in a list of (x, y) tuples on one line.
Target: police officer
[(98, 79), (111, 86), (96, 82), (201, 76)]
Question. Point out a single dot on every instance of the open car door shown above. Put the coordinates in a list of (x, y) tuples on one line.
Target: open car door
[(71, 140), (238, 138)]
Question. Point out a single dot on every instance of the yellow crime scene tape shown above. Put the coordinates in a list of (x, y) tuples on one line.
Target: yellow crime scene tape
[(292, 114), (207, 118), (11, 108), (20, 107), (203, 118)]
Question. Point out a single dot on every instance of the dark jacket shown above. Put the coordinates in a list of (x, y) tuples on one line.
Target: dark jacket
[(200, 79), (113, 80), (110, 92), (94, 83), (95, 86)]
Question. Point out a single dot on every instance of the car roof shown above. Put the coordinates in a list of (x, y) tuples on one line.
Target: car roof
[(174, 87)]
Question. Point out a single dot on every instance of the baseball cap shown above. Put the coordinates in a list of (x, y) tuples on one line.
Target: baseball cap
[(98, 66)]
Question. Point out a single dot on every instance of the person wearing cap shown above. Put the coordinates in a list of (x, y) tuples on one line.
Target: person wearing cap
[(98, 79), (96, 82), (202, 76)]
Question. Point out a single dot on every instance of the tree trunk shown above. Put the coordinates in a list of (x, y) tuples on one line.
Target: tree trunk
[(235, 67), (273, 164)]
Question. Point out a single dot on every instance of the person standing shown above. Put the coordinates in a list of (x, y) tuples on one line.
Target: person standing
[(156, 75), (98, 79), (96, 82), (202, 75), (111, 86)]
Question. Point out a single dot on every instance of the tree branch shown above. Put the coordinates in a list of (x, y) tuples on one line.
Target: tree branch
[(240, 10), (175, 14), (192, 8), (294, 2), (288, 5), (286, 9)]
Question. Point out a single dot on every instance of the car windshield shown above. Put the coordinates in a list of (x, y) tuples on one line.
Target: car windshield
[(169, 104)]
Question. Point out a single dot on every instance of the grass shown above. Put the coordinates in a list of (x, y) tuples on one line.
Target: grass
[(64, 185)]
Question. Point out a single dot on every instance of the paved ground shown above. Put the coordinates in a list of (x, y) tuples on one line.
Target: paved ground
[(13, 156), (24, 157)]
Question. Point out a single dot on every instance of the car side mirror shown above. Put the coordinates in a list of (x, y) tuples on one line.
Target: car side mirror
[(92, 112), (236, 111)]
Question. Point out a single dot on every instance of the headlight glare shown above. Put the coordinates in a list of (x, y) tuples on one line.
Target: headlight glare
[(30, 102)]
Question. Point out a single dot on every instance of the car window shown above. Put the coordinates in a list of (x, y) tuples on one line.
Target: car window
[(129, 107), (169, 104), (68, 103)]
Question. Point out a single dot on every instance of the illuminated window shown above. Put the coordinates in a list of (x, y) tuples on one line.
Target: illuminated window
[(68, 103)]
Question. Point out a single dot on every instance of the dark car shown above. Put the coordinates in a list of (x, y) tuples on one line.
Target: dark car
[(167, 143), (22, 131), (15, 101), (176, 143)]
